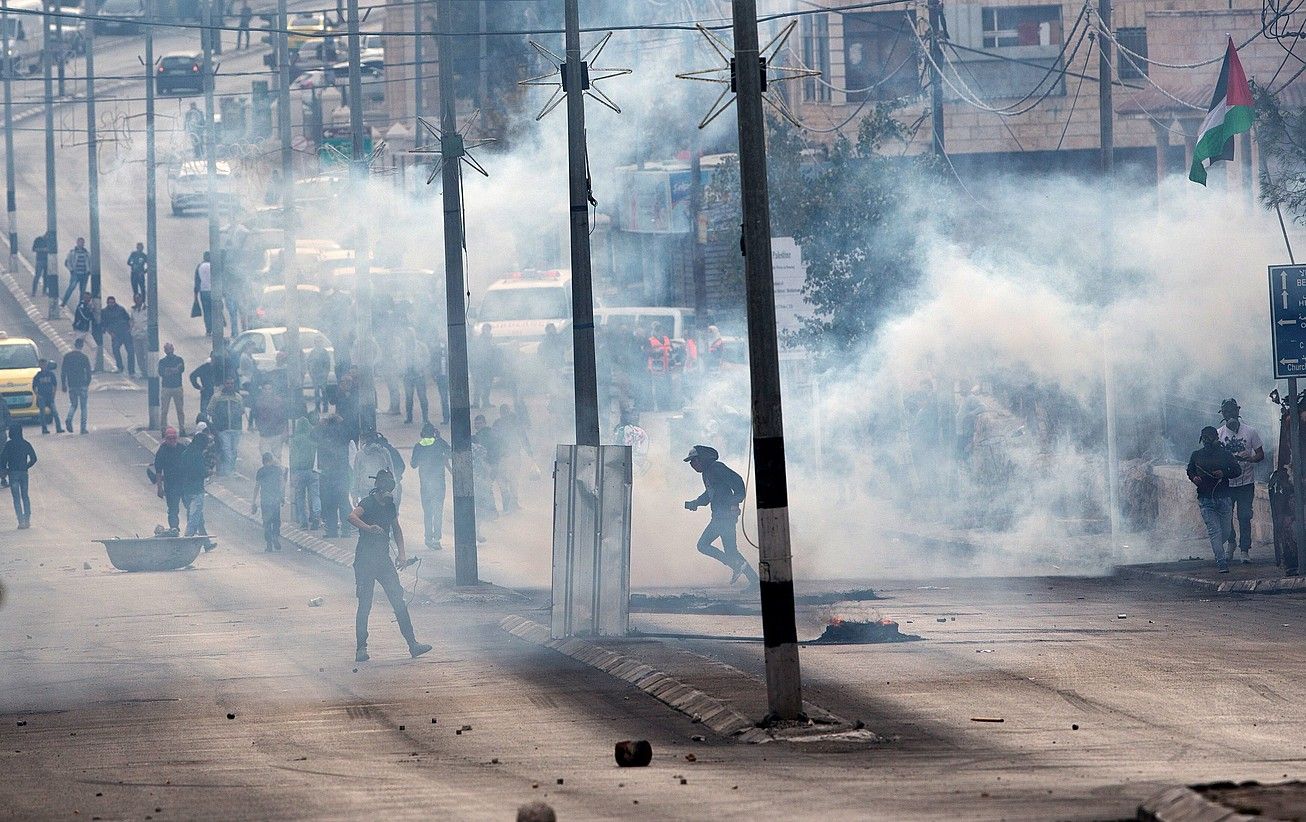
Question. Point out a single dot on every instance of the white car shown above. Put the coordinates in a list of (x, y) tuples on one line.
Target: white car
[(261, 345)]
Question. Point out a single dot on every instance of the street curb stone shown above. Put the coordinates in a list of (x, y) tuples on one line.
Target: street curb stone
[(1266, 585), (1182, 804), (690, 701)]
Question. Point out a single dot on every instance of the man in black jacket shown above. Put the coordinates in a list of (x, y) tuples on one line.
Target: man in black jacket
[(1210, 468), (16, 458), (45, 385), (723, 490), (76, 379), (117, 323), (170, 475)]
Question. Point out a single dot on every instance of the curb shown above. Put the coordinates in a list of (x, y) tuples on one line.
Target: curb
[(688, 700), (1187, 805), (1264, 585)]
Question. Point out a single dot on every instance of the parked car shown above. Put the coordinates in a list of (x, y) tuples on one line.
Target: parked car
[(18, 365), (179, 71), (272, 304), (121, 16), (261, 345), (188, 187)]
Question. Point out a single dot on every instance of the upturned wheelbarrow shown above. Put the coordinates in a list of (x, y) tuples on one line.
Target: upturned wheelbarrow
[(158, 553)]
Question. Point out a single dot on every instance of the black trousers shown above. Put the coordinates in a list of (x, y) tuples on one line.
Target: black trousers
[(172, 496), (369, 569)]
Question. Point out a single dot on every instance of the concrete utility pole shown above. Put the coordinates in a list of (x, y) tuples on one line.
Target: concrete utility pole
[(936, 80), (151, 229), (93, 184), (11, 197), (1105, 110), (775, 563), (289, 255), (417, 74), (363, 338), (63, 48), (51, 188), (575, 79), (697, 236), (216, 263), (466, 571)]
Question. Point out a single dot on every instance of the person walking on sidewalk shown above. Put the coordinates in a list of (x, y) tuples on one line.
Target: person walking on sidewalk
[(1244, 442), (117, 323), (431, 459), (333, 461), (377, 519), (16, 459), (305, 489), (245, 20), (195, 472), (171, 368), (78, 263), (86, 320), (75, 378), (45, 385), (40, 261), (204, 291), (226, 414), (723, 490), (169, 475), (270, 493), (138, 263), (140, 332), (1210, 468)]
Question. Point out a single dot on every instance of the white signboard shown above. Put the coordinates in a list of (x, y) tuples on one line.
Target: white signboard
[(791, 307)]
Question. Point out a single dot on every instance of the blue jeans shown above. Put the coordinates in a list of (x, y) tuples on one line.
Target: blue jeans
[(77, 398), (194, 501), (229, 442), (306, 496), (18, 488), (78, 283), (1217, 513)]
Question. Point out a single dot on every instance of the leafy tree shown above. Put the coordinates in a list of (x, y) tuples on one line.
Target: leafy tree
[(1281, 133), (848, 206)]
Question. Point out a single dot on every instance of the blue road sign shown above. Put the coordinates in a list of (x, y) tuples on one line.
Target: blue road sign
[(1288, 320)]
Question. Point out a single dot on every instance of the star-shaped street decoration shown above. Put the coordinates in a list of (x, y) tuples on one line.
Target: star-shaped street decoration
[(336, 155), (453, 146), (591, 75), (771, 74)]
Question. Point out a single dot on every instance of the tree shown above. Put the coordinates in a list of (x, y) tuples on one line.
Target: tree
[(850, 211), (1281, 134)]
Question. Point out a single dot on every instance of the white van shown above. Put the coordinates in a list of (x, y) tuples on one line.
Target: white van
[(25, 36), (520, 306)]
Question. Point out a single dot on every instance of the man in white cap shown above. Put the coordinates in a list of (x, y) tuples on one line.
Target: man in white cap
[(723, 490)]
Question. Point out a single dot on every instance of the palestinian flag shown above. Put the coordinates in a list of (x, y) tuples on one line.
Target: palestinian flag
[(1231, 113)]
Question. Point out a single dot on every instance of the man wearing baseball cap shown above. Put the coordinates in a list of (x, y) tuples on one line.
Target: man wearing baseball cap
[(1244, 442), (723, 490)]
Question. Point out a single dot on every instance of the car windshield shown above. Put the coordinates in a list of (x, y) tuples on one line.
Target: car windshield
[(178, 62), (17, 356), (524, 304)]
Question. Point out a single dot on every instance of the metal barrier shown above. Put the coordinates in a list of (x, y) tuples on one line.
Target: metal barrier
[(591, 540)]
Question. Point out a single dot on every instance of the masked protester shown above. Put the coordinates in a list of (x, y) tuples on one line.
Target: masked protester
[(1210, 468), (431, 459), (1244, 442), (377, 520), (724, 493)]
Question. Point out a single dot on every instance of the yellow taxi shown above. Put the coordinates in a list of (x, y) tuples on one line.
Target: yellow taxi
[(19, 363)]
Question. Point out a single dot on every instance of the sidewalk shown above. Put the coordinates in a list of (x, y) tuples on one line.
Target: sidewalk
[(1227, 802), (1261, 576)]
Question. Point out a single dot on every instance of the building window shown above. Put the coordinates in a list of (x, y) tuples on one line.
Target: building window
[(816, 55), (879, 56), (1007, 26), (1136, 41)]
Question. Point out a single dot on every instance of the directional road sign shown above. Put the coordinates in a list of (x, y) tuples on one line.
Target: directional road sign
[(1288, 320)]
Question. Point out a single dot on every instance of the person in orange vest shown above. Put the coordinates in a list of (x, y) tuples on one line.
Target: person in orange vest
[(659, 366)]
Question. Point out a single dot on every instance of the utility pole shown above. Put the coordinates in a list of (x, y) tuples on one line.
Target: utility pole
[(11, 197), (216, 263), (697, 238), (93, 184), (51, 188), (417, 74), (466, 571), (289, 255), (775, 563), (362, 278), (1105, 110), (63, 48), (575, 79), (151, 229), (936, 78)]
